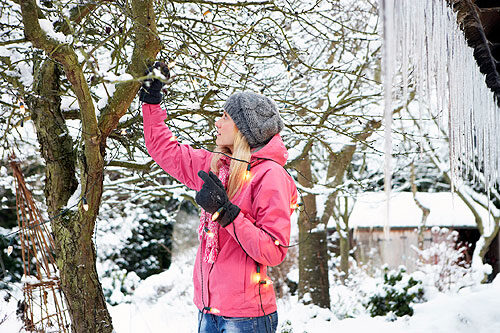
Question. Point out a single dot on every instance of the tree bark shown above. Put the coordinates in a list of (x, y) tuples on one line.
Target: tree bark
[(313, 254), (75, 254), (56, 145), (339, 163), (344, 243), (425, 211), (73, 231)]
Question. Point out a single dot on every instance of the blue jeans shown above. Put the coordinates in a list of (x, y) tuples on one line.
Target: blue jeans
[(209, 323)]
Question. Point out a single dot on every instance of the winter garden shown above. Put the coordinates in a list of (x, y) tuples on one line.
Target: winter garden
[(390, 113)]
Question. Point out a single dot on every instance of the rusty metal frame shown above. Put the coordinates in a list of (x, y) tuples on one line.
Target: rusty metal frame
[(44, 308)]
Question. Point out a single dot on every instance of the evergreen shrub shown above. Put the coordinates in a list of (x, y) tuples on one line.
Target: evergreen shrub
[(149, 250), (395, 295)]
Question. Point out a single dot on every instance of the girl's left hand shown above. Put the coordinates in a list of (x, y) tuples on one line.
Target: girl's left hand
[(212, 197)]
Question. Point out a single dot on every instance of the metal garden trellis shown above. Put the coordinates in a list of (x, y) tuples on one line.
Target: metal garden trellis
[(43, 308)]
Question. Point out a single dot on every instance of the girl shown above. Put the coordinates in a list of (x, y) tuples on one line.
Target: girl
[(246, 197)]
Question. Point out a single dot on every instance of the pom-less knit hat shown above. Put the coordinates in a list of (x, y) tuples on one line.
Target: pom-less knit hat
[(255, 115)]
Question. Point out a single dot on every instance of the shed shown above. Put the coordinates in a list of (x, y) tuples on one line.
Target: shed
[(368, 218)]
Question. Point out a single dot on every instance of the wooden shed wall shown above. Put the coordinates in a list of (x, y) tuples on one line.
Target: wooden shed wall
[(373, 248)]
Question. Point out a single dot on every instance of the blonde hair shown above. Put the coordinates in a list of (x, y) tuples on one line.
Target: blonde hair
[(237, 169)]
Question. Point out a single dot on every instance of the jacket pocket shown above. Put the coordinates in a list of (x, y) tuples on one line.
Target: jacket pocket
[(227, 285)]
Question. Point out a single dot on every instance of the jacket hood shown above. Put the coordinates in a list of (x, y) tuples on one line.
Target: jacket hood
[(274, 150)]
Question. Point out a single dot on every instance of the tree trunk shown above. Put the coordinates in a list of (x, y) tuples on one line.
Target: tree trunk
[(488, 239), (483, 245), (76, 261), (313, 255), (344, 244), (75, 254), (339, 164), (344, 254), (425, 211)]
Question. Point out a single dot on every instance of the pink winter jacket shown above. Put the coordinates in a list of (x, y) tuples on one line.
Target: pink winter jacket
[(229, 284)]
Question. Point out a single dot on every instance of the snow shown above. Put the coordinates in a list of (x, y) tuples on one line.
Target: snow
[(445, 210), (122, 77), (29, 279), (75, 198), (48, 28), (163, 303)]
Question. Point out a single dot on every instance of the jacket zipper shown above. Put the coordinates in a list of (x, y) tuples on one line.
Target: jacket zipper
[(208, 284)]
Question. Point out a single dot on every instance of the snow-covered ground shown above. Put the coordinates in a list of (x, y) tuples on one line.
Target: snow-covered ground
[(163, 303)]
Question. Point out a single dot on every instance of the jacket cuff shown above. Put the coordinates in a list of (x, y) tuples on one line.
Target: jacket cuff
[(153, 112), (231, 212)]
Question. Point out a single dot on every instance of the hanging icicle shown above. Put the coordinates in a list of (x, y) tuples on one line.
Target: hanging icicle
[(387, 13), (425, 47)]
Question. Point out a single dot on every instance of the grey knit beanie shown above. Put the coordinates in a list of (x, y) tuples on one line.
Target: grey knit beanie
[(255, 115)]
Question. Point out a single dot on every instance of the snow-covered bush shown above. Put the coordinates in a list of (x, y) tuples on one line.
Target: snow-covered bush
[(395, 295), (443, 263), (348, 294), (286, 327), (133, 243), (148, 250), (118, 285)]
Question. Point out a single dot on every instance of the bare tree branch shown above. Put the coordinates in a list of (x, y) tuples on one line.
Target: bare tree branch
[(147, 46)]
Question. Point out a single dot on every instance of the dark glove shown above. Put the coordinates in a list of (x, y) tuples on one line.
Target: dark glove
[(151, 88), (213, 198)]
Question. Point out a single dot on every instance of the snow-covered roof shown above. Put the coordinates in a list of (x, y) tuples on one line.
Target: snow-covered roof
[(445, 210)]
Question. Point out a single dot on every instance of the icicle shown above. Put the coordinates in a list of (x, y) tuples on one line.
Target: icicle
[(497, 144), (424, 36), (387, 13), (404, 53)]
